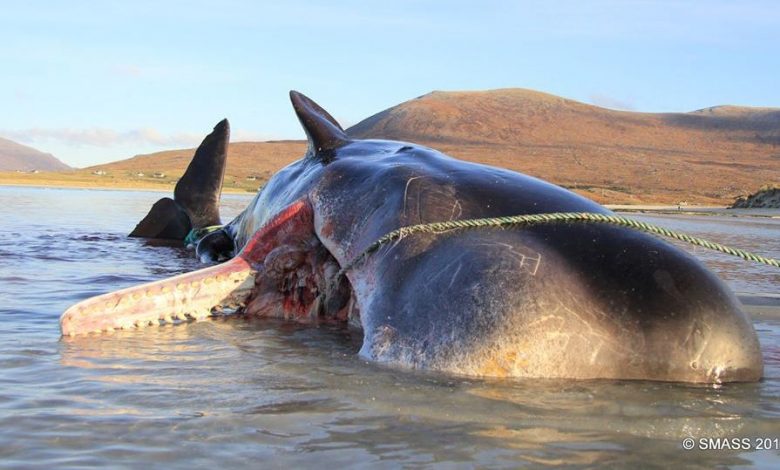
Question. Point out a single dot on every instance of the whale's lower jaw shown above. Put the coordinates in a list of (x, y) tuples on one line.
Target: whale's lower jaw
[(282, 272)]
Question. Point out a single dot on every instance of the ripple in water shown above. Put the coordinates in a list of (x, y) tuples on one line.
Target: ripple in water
[(236, 392)]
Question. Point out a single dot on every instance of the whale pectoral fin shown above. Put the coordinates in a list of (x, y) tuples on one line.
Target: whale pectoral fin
[(324, 133), (199, 189), (165, 220)]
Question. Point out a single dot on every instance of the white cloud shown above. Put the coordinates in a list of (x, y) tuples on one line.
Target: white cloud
[(102, 137)]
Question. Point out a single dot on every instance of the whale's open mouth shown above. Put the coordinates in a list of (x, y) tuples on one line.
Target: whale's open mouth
[(283, 271)]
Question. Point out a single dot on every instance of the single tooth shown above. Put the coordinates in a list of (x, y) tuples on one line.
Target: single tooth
[(314, 311), (110, 330), (166, 290), (98, 331), (139, 324), (168, 319)]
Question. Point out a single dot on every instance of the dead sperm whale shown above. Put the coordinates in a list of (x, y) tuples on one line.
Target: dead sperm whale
[(562, 300)]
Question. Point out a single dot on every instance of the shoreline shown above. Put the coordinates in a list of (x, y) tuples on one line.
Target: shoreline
[(660, 208), (772, 213), (145, 188)]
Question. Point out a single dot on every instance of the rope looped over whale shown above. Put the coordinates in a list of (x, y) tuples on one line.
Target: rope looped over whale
[(555, 217)]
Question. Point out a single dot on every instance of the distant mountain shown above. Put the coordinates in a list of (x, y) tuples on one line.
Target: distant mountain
[(15, 156), (706, 156), (710, 155)]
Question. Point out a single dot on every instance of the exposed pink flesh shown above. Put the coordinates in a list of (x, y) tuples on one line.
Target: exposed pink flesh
[(187, 296)]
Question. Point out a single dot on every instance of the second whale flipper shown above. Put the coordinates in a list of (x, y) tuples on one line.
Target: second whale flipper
[(165, 220)]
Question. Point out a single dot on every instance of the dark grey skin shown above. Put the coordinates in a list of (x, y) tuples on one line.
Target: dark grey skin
[(567, 300), (195, 202)]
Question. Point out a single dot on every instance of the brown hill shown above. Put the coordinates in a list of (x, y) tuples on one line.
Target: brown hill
[(710, 156), (707, 156), (18, 157), (249, 165)]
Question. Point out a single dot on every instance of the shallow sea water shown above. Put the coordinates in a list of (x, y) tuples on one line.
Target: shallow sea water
[(236, 392)]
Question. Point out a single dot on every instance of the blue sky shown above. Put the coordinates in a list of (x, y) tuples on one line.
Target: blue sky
[(99, 81)]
